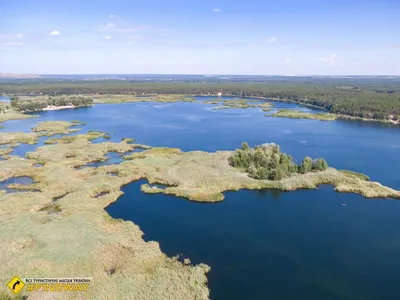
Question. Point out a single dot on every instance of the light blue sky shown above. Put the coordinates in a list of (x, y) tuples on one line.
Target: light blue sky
[(285, 37)]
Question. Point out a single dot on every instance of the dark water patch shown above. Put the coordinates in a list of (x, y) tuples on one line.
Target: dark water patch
[(23, 180), (260, 243), (51, 209), (102, 194), (55, 199), (111, 158), (38, 165)]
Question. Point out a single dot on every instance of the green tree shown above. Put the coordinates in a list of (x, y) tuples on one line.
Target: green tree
[(306, 165), (320, 164), (245, 146)]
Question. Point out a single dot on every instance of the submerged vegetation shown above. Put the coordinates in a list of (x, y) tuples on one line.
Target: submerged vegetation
[(269, 163), (294, 114)]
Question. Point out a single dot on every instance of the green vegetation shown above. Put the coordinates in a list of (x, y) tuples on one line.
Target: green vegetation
[(49, 128), (39, 103), (371, 98), (128, 140), (267, 162), (359, 175), (140, 97), (14, 115), (290, 113), (238, 103)]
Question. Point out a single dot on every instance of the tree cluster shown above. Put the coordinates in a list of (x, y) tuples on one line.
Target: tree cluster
[(269, 163), (39, 104)]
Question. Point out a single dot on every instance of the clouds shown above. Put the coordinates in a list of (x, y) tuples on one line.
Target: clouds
[(118, 24), (107, 37), (54, 33), (272, 40), (331, 59), (11, 40), (216, 10)]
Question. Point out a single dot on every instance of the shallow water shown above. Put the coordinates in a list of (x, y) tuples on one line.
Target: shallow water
[(15, 180), (265, 244)]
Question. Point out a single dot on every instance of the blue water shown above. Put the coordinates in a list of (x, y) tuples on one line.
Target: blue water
[(15, 180), (265, 244)]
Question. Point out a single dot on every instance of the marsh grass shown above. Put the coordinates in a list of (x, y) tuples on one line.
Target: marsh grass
[(294, 114), (83, 239), (166, 98)]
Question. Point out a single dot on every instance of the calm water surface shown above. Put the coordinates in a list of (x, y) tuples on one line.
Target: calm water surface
[(264, 244)]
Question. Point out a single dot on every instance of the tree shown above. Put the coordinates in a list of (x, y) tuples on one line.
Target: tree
[(245, 146), (319, 164), (306, 165), (276, 174)]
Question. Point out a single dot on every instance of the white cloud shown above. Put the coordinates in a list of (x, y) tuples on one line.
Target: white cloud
[(10, 36), (112, 16), (129, 43), (328, 59), (107, 37), (288, 61), (216, 10), (122, 26), (12, 44), (54, 33), (272, 40)]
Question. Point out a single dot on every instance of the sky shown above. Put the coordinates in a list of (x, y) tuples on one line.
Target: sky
[(252, 37)]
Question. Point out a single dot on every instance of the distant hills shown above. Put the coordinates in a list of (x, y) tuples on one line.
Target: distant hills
[(12, 75)]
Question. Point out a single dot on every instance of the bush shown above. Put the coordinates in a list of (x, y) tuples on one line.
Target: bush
[(319, 164)]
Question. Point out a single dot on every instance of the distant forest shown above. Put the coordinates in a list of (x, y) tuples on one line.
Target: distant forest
[(377, 98)]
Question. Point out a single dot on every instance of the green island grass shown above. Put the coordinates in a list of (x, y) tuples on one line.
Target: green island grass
[(124, 98), (294, 114), (14, 115), (69, 210), (239, 103), (128, 140)]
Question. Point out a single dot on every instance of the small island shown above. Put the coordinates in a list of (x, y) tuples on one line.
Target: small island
[(295, 114)]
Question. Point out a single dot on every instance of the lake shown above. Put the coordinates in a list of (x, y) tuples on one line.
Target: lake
[(264, 244)]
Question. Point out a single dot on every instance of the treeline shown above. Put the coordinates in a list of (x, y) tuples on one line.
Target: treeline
[(43, 102), (268, 162), (368, 99)]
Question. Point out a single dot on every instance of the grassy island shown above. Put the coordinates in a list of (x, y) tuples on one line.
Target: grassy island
[(294, 114), (65, 206)]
